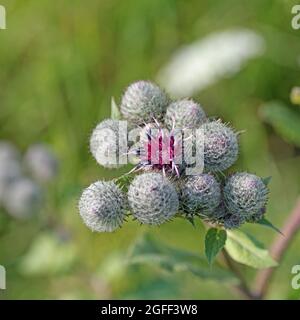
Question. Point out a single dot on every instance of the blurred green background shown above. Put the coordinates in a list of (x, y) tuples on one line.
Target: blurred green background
[(60, 64)]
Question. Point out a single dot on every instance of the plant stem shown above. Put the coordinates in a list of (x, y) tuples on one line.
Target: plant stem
[(242, 288), (278, 250)]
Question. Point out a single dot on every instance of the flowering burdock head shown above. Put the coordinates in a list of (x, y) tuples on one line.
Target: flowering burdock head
[(220, 146), (23, 198), (160, 149), (152, 198), (143, 101), (41, 163), (104, 143), (102, 206), (184, 114), (200, 194), (245, 194)]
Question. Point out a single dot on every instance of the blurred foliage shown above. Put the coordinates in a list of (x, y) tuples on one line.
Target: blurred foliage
[(285, 121), (48, 255), (61, 62), (147, 250), (295, 95)]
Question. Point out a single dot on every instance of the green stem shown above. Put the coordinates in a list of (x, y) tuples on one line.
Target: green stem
[(278, 249)]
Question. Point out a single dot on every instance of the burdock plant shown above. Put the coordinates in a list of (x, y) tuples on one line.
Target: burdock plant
[(160, 187)]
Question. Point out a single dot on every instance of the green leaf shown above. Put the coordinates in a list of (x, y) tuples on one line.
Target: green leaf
[(215, 240), (267, 223), (149, 251), (266, 180), (285, 121), (246, 250), (115, 112)]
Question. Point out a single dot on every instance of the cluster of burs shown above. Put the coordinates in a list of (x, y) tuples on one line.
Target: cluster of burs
[(157, 193), (23, 177)]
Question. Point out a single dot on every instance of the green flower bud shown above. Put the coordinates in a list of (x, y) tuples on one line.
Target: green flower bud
[(152, 198), (200, 194), (245, 194), (184, 114), (104, 143), (143, 101), (102, 206), (220, 146)]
